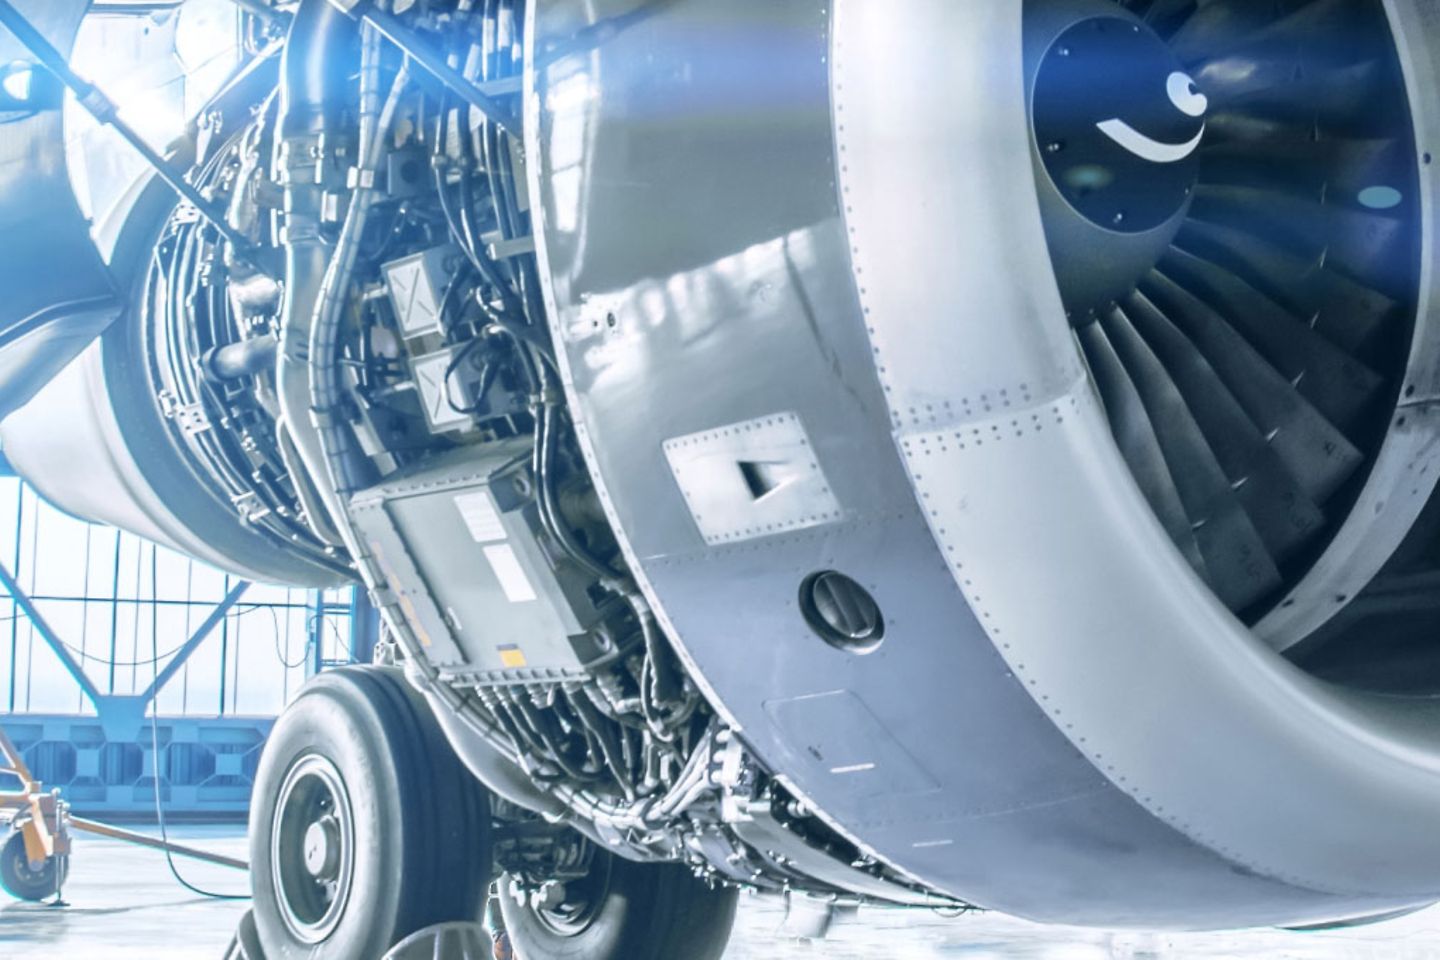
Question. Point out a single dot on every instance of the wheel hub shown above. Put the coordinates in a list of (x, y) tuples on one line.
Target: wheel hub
[(322, 847), (569, 909), (312, 848)]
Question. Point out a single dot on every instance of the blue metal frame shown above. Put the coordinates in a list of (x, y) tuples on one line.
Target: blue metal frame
[(106, 763), (364, 631), (121, 715), (364, 627)]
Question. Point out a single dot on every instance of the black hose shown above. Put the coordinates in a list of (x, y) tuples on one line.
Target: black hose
[(155, 754), (605, 736), (455, 220), (544, 727)]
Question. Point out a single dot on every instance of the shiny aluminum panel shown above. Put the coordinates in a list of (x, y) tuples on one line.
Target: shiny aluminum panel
[(698, 271), (1042, 525), (744, 481)]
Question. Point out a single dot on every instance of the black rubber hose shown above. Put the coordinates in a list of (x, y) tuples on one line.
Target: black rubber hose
[(605, 735)]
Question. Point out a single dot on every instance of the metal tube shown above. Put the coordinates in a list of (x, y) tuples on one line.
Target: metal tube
[(312, 95), (244, 358), (434, 64), (348, 468)]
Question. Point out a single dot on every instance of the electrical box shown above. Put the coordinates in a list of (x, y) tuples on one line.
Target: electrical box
[(461, 545), (417, 286), (446, 385)]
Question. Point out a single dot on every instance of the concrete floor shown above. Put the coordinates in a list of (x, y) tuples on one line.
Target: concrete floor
[(125, 906)]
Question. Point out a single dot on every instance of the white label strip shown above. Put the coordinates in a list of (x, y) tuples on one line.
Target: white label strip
[(510, 574), (854, 768), (481, 517)]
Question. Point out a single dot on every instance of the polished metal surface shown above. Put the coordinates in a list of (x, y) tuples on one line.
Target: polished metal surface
[(1168, 694), (744, 481), (698, 263), (795, 265)]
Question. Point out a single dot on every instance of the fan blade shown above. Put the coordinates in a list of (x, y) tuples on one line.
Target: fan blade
[(1226, 127), (1314, 451), (1339, 99), (1348, 314), (1370, 246), (1338, 170), (1284, 516), (1249, 374), (1135, 435), (1165, 16), (1332, 28), (1341, 388), (1242, 571), (1216, 27), (1168, 16)]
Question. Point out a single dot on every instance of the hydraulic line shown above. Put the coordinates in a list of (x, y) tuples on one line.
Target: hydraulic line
[(418, 50), (350, 469), (312, 97), (543, 743)]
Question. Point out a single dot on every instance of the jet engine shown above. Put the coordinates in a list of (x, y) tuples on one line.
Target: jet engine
[(934, 453)]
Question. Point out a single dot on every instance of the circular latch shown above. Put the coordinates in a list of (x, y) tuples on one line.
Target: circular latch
[(842, 612)]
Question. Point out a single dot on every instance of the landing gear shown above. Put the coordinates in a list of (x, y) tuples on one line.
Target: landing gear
[(365, 826), (623, 911), (26, 879)]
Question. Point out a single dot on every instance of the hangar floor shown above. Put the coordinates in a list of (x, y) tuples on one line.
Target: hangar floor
[(125, 906)]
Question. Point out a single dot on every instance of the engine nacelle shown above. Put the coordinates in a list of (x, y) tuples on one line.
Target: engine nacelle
[(898, 448), (797, 258)]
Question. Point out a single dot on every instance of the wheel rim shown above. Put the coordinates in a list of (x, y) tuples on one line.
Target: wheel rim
[(28, 871), (583, 901), (312, 848)]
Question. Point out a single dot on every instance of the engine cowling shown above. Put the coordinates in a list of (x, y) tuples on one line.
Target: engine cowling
[(1032, 466), (849, 281)]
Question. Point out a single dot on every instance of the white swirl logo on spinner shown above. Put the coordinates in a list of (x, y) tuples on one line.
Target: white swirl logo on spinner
[(1188, 99)]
